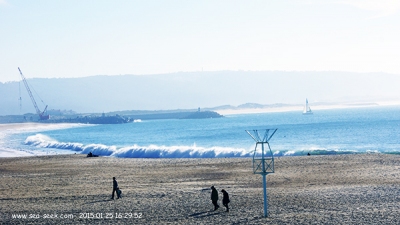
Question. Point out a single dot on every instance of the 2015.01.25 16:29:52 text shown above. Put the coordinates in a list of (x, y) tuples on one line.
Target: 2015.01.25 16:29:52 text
[(110, 215)]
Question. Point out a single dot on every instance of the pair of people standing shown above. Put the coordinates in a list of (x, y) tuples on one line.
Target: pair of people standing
[(214, 198)]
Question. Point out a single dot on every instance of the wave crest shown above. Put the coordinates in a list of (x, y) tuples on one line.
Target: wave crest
[(136, 151), (162, 151)]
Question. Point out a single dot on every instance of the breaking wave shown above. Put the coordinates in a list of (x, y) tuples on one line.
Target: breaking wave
[(136, 151), (162, 151)]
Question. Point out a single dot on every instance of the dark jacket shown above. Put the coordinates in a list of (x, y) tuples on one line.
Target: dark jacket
[(225, 199), (115, 184), (214, 194)]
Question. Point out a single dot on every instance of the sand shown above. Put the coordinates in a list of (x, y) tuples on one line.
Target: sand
[(73, 189)]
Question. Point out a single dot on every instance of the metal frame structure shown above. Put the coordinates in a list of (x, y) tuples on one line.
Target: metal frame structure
[(263, 162), (42, 115)]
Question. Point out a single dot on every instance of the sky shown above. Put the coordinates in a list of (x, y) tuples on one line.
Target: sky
[(75, 38)]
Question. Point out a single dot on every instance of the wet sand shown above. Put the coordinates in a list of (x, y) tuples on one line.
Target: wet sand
[(341, 189)]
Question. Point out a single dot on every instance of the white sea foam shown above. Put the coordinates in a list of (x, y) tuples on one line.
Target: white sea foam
[(160, 151), (289, 153), (39, 140), (38, 127), (43, 141), (155, 151), (6, 152)]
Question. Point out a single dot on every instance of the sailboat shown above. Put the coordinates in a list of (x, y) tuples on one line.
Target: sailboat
[(307, 109)]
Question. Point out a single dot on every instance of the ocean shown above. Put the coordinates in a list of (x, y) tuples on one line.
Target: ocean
[(331, 131)]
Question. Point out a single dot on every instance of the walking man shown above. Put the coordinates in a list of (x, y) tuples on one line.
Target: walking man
[(115, 187), (225, 199), (214, 197)]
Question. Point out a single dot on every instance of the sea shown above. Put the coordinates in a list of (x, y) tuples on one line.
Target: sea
[(374, 129)]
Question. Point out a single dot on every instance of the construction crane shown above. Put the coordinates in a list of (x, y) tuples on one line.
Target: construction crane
[(42, 115)]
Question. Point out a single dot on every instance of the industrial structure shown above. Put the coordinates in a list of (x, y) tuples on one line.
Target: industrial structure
[(42, 114), (263, 160)]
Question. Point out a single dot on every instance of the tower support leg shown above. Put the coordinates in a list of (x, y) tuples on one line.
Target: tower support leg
[(265, 195)]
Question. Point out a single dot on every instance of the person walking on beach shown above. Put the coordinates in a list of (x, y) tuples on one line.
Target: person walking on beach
[(115, 187), (225, 199), (214, 197)]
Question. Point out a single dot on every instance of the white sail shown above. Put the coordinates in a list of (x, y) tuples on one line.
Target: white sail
[(307, 109)]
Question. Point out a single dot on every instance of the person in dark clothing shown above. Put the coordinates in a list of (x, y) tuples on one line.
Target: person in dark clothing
[(225, 199), (91, 155), (119, 192), (115, 187), (214, 197)]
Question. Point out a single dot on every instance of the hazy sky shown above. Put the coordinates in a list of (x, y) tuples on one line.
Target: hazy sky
[(75, 38)]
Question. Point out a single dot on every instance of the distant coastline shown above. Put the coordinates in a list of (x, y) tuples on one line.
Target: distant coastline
[(190, 90), (204, 113), (251, 108), (113, 117)]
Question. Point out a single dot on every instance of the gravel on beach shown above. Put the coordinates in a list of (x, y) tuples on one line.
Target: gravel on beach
[(74, 189)]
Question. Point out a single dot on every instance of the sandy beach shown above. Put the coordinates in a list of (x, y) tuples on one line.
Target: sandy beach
[(74, 189)]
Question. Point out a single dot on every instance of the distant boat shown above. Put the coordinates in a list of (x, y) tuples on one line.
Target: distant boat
[(307, 109)]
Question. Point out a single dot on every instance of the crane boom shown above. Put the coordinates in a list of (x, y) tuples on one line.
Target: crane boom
[(41, 114)]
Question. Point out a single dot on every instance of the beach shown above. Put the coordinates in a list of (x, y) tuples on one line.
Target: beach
[(74, 189)]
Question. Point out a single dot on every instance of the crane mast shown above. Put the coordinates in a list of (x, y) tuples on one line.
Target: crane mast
[(41, 114)]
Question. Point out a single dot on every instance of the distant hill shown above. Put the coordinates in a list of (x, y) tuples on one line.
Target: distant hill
[(190, 90)]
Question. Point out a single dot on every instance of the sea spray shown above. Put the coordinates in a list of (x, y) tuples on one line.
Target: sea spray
[(135, 151), (43, 141)]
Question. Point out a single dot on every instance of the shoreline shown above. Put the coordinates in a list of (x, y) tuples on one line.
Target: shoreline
[(330, 189), (30, 126), (8, 128)]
